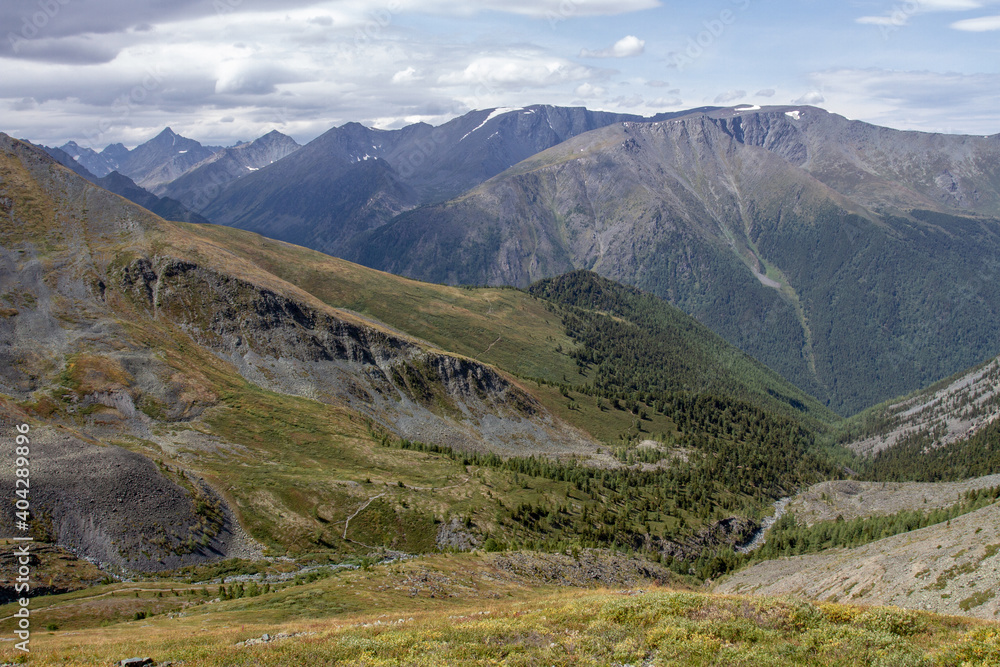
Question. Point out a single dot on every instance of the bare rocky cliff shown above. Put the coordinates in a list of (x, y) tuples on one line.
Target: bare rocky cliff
[(295, 348)]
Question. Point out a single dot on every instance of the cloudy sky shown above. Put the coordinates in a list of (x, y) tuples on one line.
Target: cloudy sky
[(104, 71)]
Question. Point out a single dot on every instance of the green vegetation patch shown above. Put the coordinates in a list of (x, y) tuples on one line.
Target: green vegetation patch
[(788, 538)]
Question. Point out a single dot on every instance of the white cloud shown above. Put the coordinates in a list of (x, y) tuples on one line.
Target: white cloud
[(630, 102), (626, 47), (589, 90), (252, 77), (408, 75), (767, 92), (915, 100), (981, 24), (665, 102), (552, 10), (898, 18), (812, 97), (730, 96), (517, 71), (302, 66), (950, 5), (901, 12)]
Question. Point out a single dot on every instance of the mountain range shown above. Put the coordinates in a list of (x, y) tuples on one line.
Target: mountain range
[(159, 160), (857, 261), (124, 186), (202, 183), (354, 178)]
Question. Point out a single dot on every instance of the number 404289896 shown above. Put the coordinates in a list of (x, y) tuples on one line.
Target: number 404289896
[(22, 472)]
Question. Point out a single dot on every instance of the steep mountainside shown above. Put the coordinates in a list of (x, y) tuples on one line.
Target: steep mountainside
[(946, 432), (354, 178), (827, 249), (117, 327), (228, 358), (539, 334), (943, 414), (163, 158), (639, 342), (165, 207), (198, 186)]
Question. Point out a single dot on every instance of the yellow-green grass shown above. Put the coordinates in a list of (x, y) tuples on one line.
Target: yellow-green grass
[(597, 416), (390, 615)]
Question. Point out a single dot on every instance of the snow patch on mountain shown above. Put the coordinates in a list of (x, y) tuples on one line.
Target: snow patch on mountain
[(493, 114)]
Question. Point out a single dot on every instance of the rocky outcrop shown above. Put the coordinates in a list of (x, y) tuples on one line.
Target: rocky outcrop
[(731, 532), (120, 509), (293, 347), (453, 535), (589, 567)]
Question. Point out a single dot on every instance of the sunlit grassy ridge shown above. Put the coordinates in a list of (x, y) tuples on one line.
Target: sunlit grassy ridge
[(503, 327)]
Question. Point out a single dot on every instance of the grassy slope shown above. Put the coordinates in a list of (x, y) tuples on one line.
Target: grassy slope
[(461, 610)]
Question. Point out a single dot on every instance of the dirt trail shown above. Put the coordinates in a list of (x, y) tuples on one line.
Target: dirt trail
[(364, 505)]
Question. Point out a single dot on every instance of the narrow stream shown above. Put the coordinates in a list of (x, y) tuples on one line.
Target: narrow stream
[(757, 540)]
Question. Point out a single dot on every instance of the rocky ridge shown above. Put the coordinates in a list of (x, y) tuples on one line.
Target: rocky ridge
[(952, 410)]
